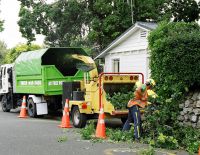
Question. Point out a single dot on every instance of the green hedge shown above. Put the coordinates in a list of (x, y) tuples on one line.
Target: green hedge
[(175, 55), (175, 66)]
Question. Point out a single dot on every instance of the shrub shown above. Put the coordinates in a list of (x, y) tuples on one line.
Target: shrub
[(175, 54), (175, 66), (120, 99), (88, 132), (119, 135)]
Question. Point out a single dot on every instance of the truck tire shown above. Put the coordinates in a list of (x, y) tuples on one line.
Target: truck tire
[(31, 107), (79, 120), (4, 102)]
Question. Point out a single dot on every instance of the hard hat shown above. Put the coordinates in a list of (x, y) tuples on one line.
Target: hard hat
[(150, 82)]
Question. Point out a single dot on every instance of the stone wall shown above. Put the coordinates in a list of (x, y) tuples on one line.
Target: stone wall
[(190, 110)]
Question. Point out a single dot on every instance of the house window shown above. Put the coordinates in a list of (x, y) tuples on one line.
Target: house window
[(115, 65), (143, 34)]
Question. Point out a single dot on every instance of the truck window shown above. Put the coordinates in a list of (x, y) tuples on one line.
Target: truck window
[(4, 72), (1, 72)]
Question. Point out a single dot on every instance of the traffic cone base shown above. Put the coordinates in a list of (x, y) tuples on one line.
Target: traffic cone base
[(23, 113), (65, 123), (101, 128)]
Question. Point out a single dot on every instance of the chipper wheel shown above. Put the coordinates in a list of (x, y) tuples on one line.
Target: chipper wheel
[(79, 120)]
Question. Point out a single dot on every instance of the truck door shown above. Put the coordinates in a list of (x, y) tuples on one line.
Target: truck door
[(1, 69), (4, 80)]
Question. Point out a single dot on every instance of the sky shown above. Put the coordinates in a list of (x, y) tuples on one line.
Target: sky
[(9, 13), (11, 34)]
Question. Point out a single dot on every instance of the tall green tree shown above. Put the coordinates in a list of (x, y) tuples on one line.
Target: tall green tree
[(14, 52), (74, 22), (1, 22), (183, 10), (3, 50), (1, 26), (108, 19), (61, 22), (95, 23), (148, 10)]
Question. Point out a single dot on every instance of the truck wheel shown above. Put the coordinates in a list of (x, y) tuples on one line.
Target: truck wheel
[(31, 108), (79, 120), (4, 104)]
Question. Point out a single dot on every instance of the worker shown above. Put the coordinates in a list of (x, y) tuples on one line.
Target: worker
[(139, 101)]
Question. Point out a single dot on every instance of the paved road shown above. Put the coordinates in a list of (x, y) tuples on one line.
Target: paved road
[(40, 137)]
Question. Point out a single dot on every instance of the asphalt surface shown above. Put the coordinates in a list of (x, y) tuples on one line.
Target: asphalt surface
[(41, 136)]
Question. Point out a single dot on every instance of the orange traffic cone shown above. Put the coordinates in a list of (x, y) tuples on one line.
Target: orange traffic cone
[(23, 113), (199, 150), (65, 119), (101, 128)]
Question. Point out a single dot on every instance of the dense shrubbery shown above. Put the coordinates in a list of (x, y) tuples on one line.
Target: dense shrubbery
[(175, 66)]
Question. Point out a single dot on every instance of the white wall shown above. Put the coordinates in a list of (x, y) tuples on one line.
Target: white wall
[(132, 54), (135, 61), (133, 42)]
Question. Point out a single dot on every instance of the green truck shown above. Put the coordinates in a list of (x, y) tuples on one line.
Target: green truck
[(39, 75)]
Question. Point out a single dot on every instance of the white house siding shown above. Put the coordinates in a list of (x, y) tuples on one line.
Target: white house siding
[(132, 54), (133, 42), (135, 61)]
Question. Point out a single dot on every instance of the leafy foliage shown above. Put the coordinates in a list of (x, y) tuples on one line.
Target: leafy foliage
[(175, 51), (94, 23), (1, 26), (62, 138), (183, 10), (168, 142), (188, 138), (91, 23), (88, 132), (120, 99), (119, 135), (149, 151), (60, 22), (13, 53), (174, 58), (3, 50)]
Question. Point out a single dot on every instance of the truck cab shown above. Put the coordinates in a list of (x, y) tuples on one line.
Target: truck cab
[(6, 79)]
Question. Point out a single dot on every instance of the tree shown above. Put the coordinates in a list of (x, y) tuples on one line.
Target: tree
[(148, 10), (61, 22), (95, 23), (13, 53), (108, 20), (1, 26), (1, 22), (88, 23), (3, 50), (183, 10)]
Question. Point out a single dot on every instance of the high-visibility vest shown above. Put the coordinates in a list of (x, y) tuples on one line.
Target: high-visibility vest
[(140, 98)]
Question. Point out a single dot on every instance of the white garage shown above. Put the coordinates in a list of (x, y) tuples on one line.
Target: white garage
[(129, 52)]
